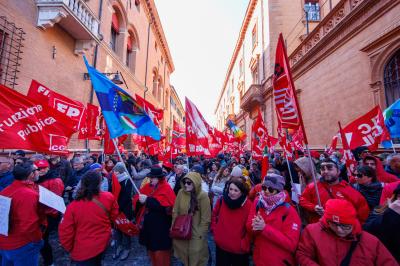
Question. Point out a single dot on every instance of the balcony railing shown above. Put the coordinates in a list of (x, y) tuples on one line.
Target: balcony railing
[(74, 16)]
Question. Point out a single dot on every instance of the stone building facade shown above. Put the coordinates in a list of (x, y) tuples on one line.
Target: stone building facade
[(345, 59), (116, 36)]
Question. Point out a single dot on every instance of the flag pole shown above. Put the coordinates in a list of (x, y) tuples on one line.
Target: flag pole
[(314, 176), (394, 150), (291, 180), (120, 158)]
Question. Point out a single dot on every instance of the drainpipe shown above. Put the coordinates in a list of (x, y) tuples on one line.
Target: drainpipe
[(262, 36), (147, 59)]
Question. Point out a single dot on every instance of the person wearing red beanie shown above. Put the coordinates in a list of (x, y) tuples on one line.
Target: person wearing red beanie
[(339, 240)]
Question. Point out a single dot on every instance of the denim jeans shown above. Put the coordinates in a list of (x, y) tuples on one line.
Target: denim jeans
[(27, 255)]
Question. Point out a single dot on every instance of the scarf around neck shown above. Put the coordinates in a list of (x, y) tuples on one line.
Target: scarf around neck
[(234, 204), (269, 203)]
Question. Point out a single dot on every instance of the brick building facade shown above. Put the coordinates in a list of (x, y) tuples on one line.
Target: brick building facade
[(116, 36), (344, 55)]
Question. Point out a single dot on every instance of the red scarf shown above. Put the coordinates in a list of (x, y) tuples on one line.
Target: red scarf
[(271, 202), (162, 192)]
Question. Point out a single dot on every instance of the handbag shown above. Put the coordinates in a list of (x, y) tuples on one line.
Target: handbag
[(120, 221), (182, 227)]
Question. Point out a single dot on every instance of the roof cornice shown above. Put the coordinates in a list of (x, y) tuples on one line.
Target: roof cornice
[(249, 13), (152, 13)]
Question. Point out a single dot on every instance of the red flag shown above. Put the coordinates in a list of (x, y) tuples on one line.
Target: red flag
[(332, 148), (368, 130), (171, 152), (71, 108), (264, 166), (155, 113), (196, 131), (259, 136), (116, 186), (93, 126), (348, 156), (25, 124), (178, 136), (286, 106), (297, 140)]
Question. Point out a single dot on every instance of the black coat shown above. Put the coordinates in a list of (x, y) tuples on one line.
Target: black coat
[(386, 228), (156, 224), (125, 199)]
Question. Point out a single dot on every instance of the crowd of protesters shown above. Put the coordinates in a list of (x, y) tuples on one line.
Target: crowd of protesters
[(303, 211)]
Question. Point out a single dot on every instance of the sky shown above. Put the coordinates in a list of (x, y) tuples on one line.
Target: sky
[(201, 36)]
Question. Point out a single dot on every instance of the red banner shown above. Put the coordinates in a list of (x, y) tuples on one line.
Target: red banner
[(348, 156), (155, 113), (332, 148), (368, 130), (71, 108), (93, 125), (178, 136), (196, 131), (25, 124), (259, 136), (285, 97)]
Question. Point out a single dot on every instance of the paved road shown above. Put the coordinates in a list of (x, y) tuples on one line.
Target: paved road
[(137, 255)]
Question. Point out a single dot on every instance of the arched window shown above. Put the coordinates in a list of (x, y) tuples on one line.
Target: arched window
[(131, 51), (392, 79), (155, 84), (159, 90), (114, 32)]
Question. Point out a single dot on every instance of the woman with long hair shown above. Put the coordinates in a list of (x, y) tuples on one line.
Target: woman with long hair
[(218, 185), (192, 200), (385, 224), (85, 229), (230, 215)]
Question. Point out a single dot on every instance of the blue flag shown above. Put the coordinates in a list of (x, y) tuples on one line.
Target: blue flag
[(122, 113), (392, 119)]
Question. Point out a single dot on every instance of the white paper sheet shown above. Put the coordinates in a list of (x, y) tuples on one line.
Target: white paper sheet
[(51, 199), (5, 204), (296, 188)]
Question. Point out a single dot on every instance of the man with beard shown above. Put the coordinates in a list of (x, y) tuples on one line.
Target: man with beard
[(331, 186)]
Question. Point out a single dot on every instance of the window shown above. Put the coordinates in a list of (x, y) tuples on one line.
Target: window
[(11, 38), (254, 74), (254, 36), (131, 51), (392, 79), (114, 32), (312, 10), (241, 67), (155, 85)]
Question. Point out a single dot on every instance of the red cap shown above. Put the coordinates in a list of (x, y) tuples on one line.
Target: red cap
[(42, 164), (168, 164), (341, 211)]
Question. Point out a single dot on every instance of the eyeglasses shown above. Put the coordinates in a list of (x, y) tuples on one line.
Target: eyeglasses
[(187, 183), (270, 189), (343, 226)]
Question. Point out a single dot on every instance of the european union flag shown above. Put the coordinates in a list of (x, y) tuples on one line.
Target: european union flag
[(122, 113), (392, 119)]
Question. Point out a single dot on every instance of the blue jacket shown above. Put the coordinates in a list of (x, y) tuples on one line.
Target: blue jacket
[(6, 179)]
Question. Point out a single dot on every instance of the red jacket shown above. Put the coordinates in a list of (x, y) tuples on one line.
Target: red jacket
[(229, 227), (86, 229), (387, 192), (56, 186), (308, 200), (320, 246), (277, 243), (381, 174), (26, 216)]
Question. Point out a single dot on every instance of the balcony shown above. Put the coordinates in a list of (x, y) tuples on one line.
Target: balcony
[(252, 96), (74, 16), (312, 12)]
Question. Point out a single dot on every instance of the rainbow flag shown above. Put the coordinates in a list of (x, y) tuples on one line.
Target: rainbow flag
[(237, 131)]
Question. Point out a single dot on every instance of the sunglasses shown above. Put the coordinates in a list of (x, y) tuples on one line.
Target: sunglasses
[(343, 226), (270, 189), (359, 175), (188, 183)]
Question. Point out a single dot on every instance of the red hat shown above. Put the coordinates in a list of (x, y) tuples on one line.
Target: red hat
[(168, 164), (341, 211), (315, 154), (42, 164)]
